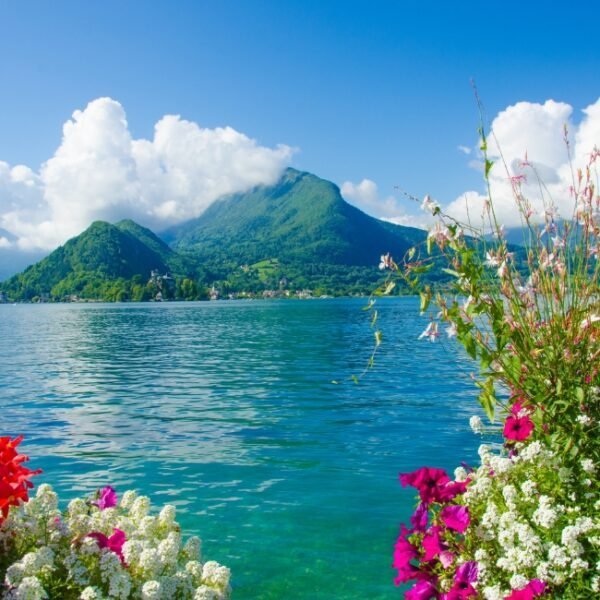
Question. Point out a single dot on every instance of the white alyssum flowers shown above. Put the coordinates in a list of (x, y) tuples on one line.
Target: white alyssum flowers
[(119, 551)]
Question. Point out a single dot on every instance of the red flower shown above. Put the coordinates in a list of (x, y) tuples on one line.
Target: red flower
[(14, 477), (518, 428)]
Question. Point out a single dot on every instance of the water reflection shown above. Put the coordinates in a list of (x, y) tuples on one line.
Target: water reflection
[(227, 410)]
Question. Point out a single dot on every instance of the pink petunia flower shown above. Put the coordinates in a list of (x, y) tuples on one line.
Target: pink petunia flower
[(114, 543), (422, 590), (429, 481), (404, 553), (533, 589), (107, 498), (452, 489), (518, 429), (456, 517), (465, 576), (432, 543), (420, 517)]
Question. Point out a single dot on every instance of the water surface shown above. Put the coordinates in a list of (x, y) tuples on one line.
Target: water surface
[(227, 410)]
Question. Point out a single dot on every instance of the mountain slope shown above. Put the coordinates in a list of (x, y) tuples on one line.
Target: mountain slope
[(301, 219), (102, 254)]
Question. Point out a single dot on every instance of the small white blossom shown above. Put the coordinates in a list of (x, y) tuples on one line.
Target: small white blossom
[(151, 590), (476, 424), (587, 464)]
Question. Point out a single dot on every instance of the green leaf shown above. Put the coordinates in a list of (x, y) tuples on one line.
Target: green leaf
[(378, 338), (355, 379), (374, 319), (470, 346), (451, 272), (422, 268), (389, 287), (487, 398), (425, 300), (488, 166), (579, 394), (411, 253)]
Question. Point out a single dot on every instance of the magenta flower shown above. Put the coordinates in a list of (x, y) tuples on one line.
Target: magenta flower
[(518, 428), (446, 558), (465, 576), (114, 543), (456, 517), (432, 543), (422, 590), (453, 489), (404, 553), (420, 517), (107, 498), (428, 481), (533, 589)]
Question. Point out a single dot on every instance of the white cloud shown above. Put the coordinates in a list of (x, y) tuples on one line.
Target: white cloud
[(464, 149), (100, 172), (365, 195), (533, 133)]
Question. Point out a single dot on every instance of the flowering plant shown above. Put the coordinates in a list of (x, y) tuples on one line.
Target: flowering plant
[(526, 522), (100, 548)]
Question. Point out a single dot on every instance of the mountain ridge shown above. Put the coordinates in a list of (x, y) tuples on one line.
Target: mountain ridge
[(298, 233)]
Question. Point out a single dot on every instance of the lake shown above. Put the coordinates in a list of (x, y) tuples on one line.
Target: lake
[(228, 411)]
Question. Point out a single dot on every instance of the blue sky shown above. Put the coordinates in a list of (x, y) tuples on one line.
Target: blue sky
[(378, 90)]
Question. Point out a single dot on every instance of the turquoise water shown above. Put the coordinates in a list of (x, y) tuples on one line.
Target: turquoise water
[(227, 410)]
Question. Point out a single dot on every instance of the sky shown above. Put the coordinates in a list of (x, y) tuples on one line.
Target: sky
[(152, 110)]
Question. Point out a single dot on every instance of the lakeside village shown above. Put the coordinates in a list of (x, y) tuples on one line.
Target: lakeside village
[(166, 288)]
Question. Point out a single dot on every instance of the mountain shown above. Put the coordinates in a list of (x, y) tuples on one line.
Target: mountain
[(97, 264), (296, 235), (301, 219)]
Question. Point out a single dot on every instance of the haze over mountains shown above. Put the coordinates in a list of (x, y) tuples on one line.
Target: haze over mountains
[(298, 233)]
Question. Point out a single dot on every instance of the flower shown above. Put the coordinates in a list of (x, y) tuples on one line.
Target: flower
[(114, 543), (420, 517), (430, 205), (422, 590), (451, 330), (14, 477), (465, 576), (430, 332), (532, 590), (455, 517), (432, 543), (404, 553), (107, 498), (428, 481), (386, 261), (518, 428)]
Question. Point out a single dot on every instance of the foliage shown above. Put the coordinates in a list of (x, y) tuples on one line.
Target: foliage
[(100, 548), (110, 263), (296, 235), (530, 524)]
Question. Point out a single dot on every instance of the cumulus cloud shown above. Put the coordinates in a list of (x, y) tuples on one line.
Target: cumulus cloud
[(527, 140), (100, 172), (365, 195)]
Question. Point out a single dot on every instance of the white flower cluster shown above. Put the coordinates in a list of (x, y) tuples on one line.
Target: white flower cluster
[(534, 518), (119, 552)]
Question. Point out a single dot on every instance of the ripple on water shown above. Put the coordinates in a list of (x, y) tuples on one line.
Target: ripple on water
[(227, 410)]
